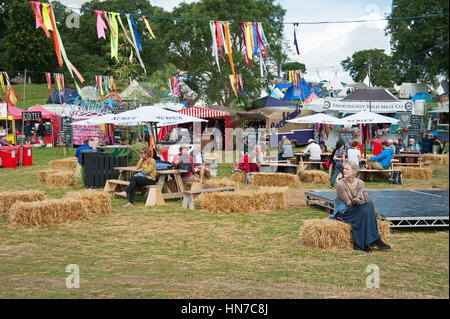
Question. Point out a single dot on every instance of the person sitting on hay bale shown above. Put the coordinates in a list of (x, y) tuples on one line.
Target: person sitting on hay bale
[(146, 176), (351, 207), (199, 163)]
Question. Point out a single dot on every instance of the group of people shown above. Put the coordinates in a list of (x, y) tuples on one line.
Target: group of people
[(28, 132), (190, 162)]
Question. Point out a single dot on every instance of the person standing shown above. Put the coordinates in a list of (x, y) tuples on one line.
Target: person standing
[(218, 135), (41, 133), (146, 176), (28, 130), (338, 158)]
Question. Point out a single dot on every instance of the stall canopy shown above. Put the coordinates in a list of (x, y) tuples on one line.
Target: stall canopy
[(366, 117), (143, 114), (47, 115), (15, 112), (319, 118), (203, 112)]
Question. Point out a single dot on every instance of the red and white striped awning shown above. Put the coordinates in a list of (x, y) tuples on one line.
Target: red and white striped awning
[(203, 113)]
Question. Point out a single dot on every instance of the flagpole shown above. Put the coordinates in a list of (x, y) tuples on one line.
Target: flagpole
[(24, 99)]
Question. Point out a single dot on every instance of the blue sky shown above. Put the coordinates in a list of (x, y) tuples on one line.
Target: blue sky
[(323, 47)]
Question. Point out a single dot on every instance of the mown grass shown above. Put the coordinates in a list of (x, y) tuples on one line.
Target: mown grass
[(168, 252)]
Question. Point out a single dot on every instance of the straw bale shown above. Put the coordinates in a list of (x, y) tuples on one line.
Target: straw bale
[(47, 212), (240, 177), (313, 177), (329, 234), (265, 199), (42, 175), (61, 179), (96, 202), (220, 182), (7, 199), (275, 179), (421, 173), (436, 158), (64, 164)]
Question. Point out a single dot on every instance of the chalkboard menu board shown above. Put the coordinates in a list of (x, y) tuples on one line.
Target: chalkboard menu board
[(414, 130), (66, 126), (347, 137)]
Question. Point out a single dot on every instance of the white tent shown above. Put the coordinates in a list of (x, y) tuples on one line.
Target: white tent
[(318, 118), (143, 114), (334, 84), (89, 93), (171, 106), (367, 82), (366, 117), (134, 91)]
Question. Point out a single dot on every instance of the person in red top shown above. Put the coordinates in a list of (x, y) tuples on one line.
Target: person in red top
[(184, 161), (250, 162)]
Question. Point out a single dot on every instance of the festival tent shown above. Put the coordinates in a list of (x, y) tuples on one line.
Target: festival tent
[(367, 81), (272, 104), (334, 84), (15, 112), (47, 115), (374, 94), (366, 117), (283, 85), (422, 96), (301, 93), (63, 96), (134, 92), (89, 93)]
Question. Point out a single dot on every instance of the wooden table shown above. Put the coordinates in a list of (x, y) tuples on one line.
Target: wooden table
[(411, 158), (302, 164), (162, 175)]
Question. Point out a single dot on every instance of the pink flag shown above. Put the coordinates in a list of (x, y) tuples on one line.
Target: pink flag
[(101, 26)]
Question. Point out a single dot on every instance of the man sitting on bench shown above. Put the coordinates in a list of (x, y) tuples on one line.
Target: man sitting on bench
[(315, 153), (382, 161)]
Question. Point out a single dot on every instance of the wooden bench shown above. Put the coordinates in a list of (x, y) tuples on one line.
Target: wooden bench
[(302, 164), (188, 198), (111, 185)]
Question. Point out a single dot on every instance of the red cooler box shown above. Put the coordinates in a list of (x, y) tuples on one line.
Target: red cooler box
[(9, 156), (377, 149)]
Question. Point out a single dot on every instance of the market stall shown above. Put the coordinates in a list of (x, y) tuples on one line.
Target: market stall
[(52, 123)]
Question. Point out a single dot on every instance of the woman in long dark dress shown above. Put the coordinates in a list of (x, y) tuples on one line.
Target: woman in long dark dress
[(352, 208)]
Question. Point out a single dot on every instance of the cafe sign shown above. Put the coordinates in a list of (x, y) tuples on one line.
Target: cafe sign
[(376, 106)]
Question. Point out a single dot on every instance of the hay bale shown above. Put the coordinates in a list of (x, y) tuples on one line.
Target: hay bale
[(42, 175), (55, 211), (220, 182), (96, 202), (239, 177), (313, 177), (275, 179), (436, 158), (7, 199), (265, 199), (329, 234), (64, 164), (421, 173), (61, 179)]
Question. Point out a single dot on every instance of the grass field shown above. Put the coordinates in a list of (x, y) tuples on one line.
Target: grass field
[(168, 252)]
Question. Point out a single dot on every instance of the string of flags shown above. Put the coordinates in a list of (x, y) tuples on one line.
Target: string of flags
[(104, 85), (295, 76), (7, 88), (58, 79), (295, 38), (236, 85), (173, 86)]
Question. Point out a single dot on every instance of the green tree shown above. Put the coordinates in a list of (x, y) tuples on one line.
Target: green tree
[(25, 46), (382, 70), (189, 46), (419, 46)]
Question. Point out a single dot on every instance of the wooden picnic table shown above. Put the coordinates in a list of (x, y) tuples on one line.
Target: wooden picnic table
[(162, 175), (411, 158)]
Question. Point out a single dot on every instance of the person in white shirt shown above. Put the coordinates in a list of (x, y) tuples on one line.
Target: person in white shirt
[(314, 150), (354, 154), (199, 163)]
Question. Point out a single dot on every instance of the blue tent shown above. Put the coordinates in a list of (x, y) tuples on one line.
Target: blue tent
[(274, 95), (60, 97), (422, 96), (272, 103), (318, 90), (300, 93), (283, 85)]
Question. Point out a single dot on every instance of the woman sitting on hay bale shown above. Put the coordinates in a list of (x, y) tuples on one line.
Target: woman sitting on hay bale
[(351, 207), (146, 176)]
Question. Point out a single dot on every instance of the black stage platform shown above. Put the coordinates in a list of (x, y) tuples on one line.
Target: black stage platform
[(402, 208)]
